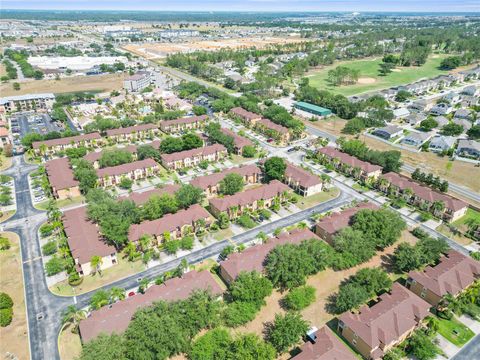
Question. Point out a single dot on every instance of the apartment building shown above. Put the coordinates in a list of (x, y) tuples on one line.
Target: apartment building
[(133, 133), (61, 179), (454, 273), (85, 242), (49, 147), (184, 124), (137, 82), (210, 184), (137, 170), (275, 131), (349, 165), (252, 199), (330, 225), (191, 158), (247, 117), (116, 317), (441, 205), (239, 142), (253, 258), (37, 102), (302, 181), (177, 225), (374, 330)]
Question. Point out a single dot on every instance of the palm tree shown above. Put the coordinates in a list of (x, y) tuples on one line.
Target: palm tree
[(96, 262), (145, 242), (432, 324), (73, 315), (438, 207), (117, 293), (302, 225), (143, 285)]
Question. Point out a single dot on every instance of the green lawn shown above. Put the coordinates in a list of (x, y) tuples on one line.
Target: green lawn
[(454, 331), (470, 215), (309, 201), (369, 69)]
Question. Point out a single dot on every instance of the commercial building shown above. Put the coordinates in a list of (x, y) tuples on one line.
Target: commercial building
[(60, 177), (137, 170), (329, 226), (37, 102), (454, 273), (137, 82), (116, 317), (253, 258), (375, 330), (192, 157), (312, 109), (176, 225), (74, 63), (210, 184), (252, 199), (85, 242), (183, 124)]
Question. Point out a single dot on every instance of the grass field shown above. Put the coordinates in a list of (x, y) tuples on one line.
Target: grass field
[(5, 162), (312, 200), (370, 79), (69, 344), (454, 331), (100, 83), (14, 337)]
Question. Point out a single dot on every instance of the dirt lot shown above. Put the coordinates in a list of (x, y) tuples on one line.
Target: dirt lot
[(100, 83), (14, 337), (460, 173), (69, 344), (326, 283), (160, 50)]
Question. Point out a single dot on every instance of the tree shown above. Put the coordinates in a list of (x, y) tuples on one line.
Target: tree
[(214, 345), (223, 220), (171, 145), (157, 206), (251, 347), (115, 158), (422, 347), (299, 298), (287, 330), (231, 184), (199, 110), (99, 299), (86, 174), (188, 195), (452, 129), (191, 141), (73, 315), (353, 246), (406, 258), (350, 297), (386, 68), (16, 86), (474, 132), (106, 347), (6, 301), (116, 294), (54, 266), (4, 243), (96, 263), (402, 96), (274, 168), (428, 124), (125, 183), (239, 313), (147, 152), (248, 151), (250, 287), (373, 280)]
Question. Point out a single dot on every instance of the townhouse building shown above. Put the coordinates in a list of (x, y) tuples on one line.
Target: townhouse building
[(349, 165), (184, 124), (116, 317), (210, 184), (247, 117), (374, 330), (239, 142), (275, 131), (303, 182), (137, 170), (191, 158), (133, 133), (454, 273), (176, 225), (85, 242), (441, 205), (49, 147), (261, 197), (61, 179)]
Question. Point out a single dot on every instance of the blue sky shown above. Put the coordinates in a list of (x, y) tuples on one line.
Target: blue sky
[(251, 5)]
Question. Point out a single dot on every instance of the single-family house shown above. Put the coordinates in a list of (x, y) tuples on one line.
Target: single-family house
[(61, 179), (442, 121), (466, 124), (470, 90), (416, 139), (441, 143), (463, 114), (415, 118), (421, 105), (452, 97), (136, 170), (374, 330), (401, 113), (388, 132), (441, 109), (454, 273), (192, 157), (468, 148)]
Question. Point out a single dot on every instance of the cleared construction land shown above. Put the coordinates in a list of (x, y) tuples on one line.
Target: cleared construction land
[(94, 83)]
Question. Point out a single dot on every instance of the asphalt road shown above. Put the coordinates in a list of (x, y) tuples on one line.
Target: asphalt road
[(471, 351)]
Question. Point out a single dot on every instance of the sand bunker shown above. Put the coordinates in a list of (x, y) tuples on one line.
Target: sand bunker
[(366, 80)]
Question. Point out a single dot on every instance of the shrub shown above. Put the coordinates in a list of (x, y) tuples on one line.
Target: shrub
[(6, 301), (246, 221), (187, 243), (4, 243), (54, 266), (126, 183), (265, 214), (203, 164), (46, 230), (238, 313), (49, 248), (248, 151), (172, 246), (6, 316), (299, 298), (75, 279)]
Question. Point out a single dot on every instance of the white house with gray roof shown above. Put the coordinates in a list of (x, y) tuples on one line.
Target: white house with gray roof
[(468, 148), (441, 143), (416, 139)]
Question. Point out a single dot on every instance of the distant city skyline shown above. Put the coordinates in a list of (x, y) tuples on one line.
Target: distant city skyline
[(250, 5)]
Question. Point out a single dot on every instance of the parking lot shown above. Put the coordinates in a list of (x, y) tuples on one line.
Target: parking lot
[(23, 124)]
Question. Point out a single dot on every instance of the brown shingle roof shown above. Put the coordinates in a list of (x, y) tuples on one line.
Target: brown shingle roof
[(126, 168), (389, 319), (247, 197), (424, 192), (67, 140), (349, 160), (335, 222), (239, 141), (327, 346), (140, 198), (203, 151), (115, 318), (252, 258), (241, 112), (454, 273), (60, 174), (131, 129), (203, 182), (185, 120), (168, 222), (271, 125), (83, 236), (302, 176)]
